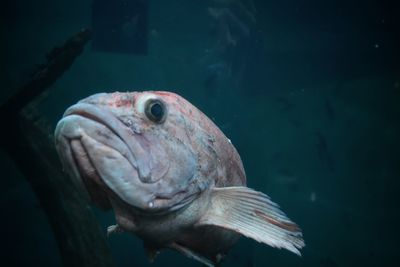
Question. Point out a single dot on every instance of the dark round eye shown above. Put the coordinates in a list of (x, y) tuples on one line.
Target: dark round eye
[(155, 110)]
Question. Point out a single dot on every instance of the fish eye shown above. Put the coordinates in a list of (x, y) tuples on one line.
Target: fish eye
[(155, 110)]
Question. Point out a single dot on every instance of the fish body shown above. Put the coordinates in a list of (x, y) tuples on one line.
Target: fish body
[(169, 173)]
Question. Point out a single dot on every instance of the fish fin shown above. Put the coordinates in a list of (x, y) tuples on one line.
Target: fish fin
[(190, 254), (114, 229), (252, 214), (151, 251)]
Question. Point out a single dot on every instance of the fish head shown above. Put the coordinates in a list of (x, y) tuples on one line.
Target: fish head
[(138, 147)]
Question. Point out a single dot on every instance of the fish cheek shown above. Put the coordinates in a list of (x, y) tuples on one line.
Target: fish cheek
[(117, 173), (183, 165)]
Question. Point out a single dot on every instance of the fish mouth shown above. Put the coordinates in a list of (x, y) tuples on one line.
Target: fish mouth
[(104, 157)]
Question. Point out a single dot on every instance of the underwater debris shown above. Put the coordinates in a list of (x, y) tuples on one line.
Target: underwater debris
[(234, 23), (58, 61), (29, 143), (235, 40), (231, 27)]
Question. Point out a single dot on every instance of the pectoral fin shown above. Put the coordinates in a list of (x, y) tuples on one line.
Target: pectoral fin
[(113, 229), (151, 251), (190, 254), (254, 215)]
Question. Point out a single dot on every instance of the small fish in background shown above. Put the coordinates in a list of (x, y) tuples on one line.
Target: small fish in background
[(243, 255), (327, 262), (214, 74), (396, 85), (329, 110), (288, 179), (285, 104), (170, 175), (313, 197), (323, 152)]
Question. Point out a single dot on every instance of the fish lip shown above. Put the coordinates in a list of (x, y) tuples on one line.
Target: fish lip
[(81, 109), (185, 202), (181, 205), (77, 170)]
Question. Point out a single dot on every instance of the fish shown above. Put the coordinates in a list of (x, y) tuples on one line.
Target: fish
[(329, 110), (285, 104), (169, 174), (323, 151)]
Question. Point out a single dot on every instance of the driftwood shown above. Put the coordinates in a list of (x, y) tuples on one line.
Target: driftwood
[(58, 61), (28, 139)]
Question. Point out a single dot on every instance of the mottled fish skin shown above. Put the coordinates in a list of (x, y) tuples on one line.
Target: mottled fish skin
[(159, 177)]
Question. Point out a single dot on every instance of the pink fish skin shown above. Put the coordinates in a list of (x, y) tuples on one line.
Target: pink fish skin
[(169, 173)]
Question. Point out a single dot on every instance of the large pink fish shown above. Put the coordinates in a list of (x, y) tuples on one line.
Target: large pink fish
[(171, 176)]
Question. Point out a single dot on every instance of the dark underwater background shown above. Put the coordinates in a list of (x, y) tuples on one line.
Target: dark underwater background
[(308, 91)]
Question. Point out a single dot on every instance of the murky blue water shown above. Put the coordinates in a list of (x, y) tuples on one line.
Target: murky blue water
[(308, 92)]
